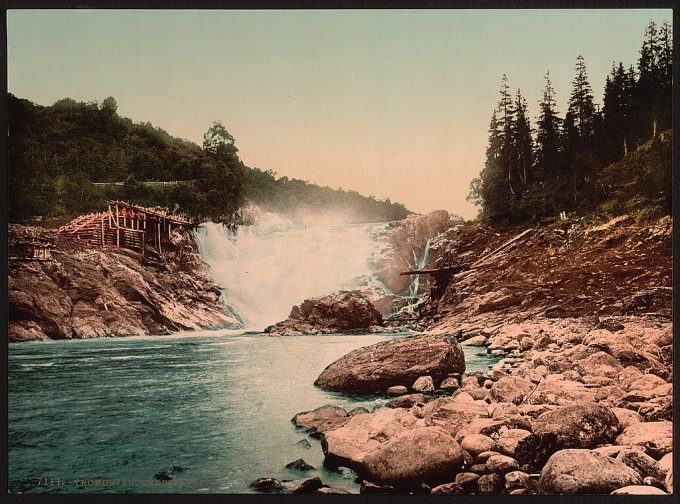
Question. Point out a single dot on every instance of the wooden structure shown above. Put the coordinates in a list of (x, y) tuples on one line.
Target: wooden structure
[(30, 248), (126, 225), (438, 271)]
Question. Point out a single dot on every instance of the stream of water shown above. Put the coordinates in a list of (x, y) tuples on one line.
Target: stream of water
[(216, 403), (211, 409)]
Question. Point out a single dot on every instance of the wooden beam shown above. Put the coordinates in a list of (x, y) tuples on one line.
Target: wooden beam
[(447, 269), (117, 227), (160, 247)]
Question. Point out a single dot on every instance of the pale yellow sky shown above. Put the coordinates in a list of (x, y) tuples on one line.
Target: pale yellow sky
[(390, 103)]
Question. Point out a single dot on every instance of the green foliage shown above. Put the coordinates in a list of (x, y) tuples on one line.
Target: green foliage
[(64, 158), (297, 197)]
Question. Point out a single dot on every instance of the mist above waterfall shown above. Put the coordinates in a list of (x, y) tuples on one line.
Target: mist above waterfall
[(272, 264)]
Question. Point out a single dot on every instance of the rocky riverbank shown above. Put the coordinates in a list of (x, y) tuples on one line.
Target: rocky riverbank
[(95, 292), (582, 401)]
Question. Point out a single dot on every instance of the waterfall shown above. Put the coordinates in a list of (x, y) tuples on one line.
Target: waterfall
[(418, 264), (267, 267)]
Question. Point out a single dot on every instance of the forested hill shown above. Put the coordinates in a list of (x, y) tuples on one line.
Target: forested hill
[(65, 158), (575, 163)]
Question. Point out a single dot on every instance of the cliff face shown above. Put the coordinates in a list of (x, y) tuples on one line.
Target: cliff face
[(86, 292), (401, 241), (566, 269)]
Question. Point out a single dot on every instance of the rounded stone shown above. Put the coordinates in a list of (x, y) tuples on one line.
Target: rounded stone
[(576, 471), (475, 444)]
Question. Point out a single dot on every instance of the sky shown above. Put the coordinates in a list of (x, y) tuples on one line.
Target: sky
[(390, 103)]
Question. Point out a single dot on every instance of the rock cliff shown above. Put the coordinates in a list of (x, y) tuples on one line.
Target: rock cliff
[(90, 292)]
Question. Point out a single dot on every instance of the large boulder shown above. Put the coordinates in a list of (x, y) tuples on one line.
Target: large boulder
[(655, 437), (423, 384), (321, 419), (345, 311), (579, 426), (509, 439), (510, 389), (642, 463), (475, 444), (377, 367), (427, 455), (407, 401), (599, 364), (639, 490), (452, 413), (585, 472), (626, 417), (348, 445), (501, 464), (561, 392), (535, 449)]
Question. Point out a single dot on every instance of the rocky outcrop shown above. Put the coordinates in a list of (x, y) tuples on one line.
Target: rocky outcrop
[(345, 311), (87, 293), (400, 361), (401, 241)]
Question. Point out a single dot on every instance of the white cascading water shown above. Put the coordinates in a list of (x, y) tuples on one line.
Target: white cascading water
[(419, 264), (273, 264)]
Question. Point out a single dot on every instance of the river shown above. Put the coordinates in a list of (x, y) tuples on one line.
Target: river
[(214, 402), (107, 415)]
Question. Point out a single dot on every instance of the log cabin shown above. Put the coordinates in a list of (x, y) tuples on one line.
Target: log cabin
[(127, 226)]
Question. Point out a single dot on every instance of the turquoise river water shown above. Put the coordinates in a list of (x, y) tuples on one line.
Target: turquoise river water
[(106, 415)]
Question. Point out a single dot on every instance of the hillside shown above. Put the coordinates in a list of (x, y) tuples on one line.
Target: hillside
[(613, 260), (578, 312), (65, 158), (641, 181)]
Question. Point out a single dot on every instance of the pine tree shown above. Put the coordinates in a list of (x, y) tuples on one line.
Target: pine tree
[(508, 156), (579, 150), (617, 113), (665, 73), (647, 90), (631, 83), (581, 102), (570, 147), (493, 151), (522, 139), (547, 135), (490, 188), (494, 186)]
